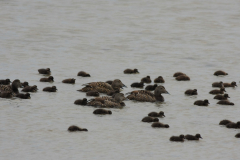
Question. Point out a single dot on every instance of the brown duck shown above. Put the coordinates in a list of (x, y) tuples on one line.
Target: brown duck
[(70, 81), (151, 87), (191, 92), (30, 89), (233, 125), (155, 114), (192, 137), (44, 71), (50, 89), (220, 73), (177, 138), (182, 78), (76, 128), (218, 84), (222, 97), (216, 91), (233, 84), (49, 79), (5, 81), (150, 119), (81, 101), (146, 79), (130, 71), (225, 102), (83, 74), (201, 102), (159, 80), (102, 111), (178, 74), (159, 125), (224, 122)]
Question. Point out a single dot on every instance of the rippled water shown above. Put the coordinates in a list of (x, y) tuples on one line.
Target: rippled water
[(105, 37)]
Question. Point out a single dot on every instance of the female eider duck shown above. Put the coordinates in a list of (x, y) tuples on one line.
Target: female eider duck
[(13, 88), (81, 101), (130, 71), (233, 125), (182, 78), (137, 85), (225, 122)]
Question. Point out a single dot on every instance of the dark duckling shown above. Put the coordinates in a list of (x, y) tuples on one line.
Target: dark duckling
[(5, 81), (70, 80), (13, 88), (25, 84), (102, 111), (233, 84), (201, 102), (225, 102), (151, 87), (159, 80), (76, 128), (130, 71), (237, 135), (222, 97), (218, 73), (50, 89), (218, 84), (216, 91), (191, 92), (81, 101), (137, 85), (109, 82), (177, 138), (191, 137), (44, 71), (178, 74), (49, 79), (150, 119), (146, 79), (224, 122), (23, 96), (233, 125), (159, 125), (182, 78), (155, 114), (6, 94), (30, 89), (92, 93), (83, 74)]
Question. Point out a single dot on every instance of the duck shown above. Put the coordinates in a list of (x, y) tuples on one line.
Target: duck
[(50, 89), (70, 80), (49, 79), (222, 97), (83, 74), (233, 125), (182, 78), (159, 80), (109, 82), (23, 96), (74, 128), (178, 74), (225, 122), (177, 138), (225, 102), (137, 85), (102, 111), (44, 71), (150, 119), (24, 84), (111, 93), (130, 71), (151, 87), (155, 114), (233, 84), (159, 125), (146, 79), (81, 101), (30, 89), (92, 93), (191, 92), (192, 137), (201, 102), (237, 135), (218, 73), (5, 81), (13, 88), (218, 84), (6, 95), (216, 91)]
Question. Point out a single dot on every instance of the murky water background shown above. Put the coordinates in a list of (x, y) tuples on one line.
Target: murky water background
[(105, 37)]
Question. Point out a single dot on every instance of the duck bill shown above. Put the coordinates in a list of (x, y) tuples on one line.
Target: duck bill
[(124, 85), (164, 116), (166, 92), (201, 137)]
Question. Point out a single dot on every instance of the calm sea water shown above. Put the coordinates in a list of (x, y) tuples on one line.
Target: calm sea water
[(103, 38)]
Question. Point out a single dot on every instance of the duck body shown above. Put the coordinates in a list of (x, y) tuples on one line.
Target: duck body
[(30, 89), (155, 114), (159, 80), (5, 81), (182, 78), (218, 84), (92, 93), (102, 111), (74, 128), (151, 87), (159, 125), (225, 102), (83, 74), (138, 85), (50, 89), (130, 71), (233, 125), (233, 84), (49, 79), (192, 137), (23, 96), (146, 79), (150, 119), (177, 138), (81, 101), (225, 122), (178, 74), (220, 73), (191, 92), (237, 135), (201, 102), (6, 95), (44, 71), (70, 81), (216, 91)]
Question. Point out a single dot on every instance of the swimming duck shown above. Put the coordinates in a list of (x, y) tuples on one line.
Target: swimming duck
[(151, 87), (155, 114), (225, 102), (216, 91), (83, 74), (44, 71), (218, 73), (92, 93), (177, 138), (150, 119), (50, 89), (23, 96), (30, 89), (178, 74), (159, 80), (233, 125), (130, 71), (191, 92), (159, 125), (24, 84), (49, 79), (5, 81), (102, 111), (224, 122), (6, 94), (81, 101), (70, 80), (218, 84), (237, 135), (137, 85), (191, 137), (146, 79), (182, 78), (201, 102), (233, 84), (76, 128), (222, 97), (13, 88)]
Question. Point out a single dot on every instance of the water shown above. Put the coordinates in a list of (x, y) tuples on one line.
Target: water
[(103, 38)]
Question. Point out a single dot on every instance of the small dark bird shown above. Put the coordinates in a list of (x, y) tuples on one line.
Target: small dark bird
[(191, 137), (216, 91), (30, 89), (237, 135), (109, 82), (182, 78), (159, 80), (6, 95), (218, 84), (76, 128), (130, 71), (49, 79), (111, 93), (155, 114), (92, 93), (137, 85), (225, 102), (5, 81), (201, 102), (81, 101), (44, 71), (222, 97), (70, 80), (24, 84), (83, 74), (146, 79), (23, 96), (50, 89), (150, 119), (191, 92), (159, 125), (177, 138), (102, 111), (178, 74), (151, 87), (233, 125), (218, 73), (233, 84), (224, 122)]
